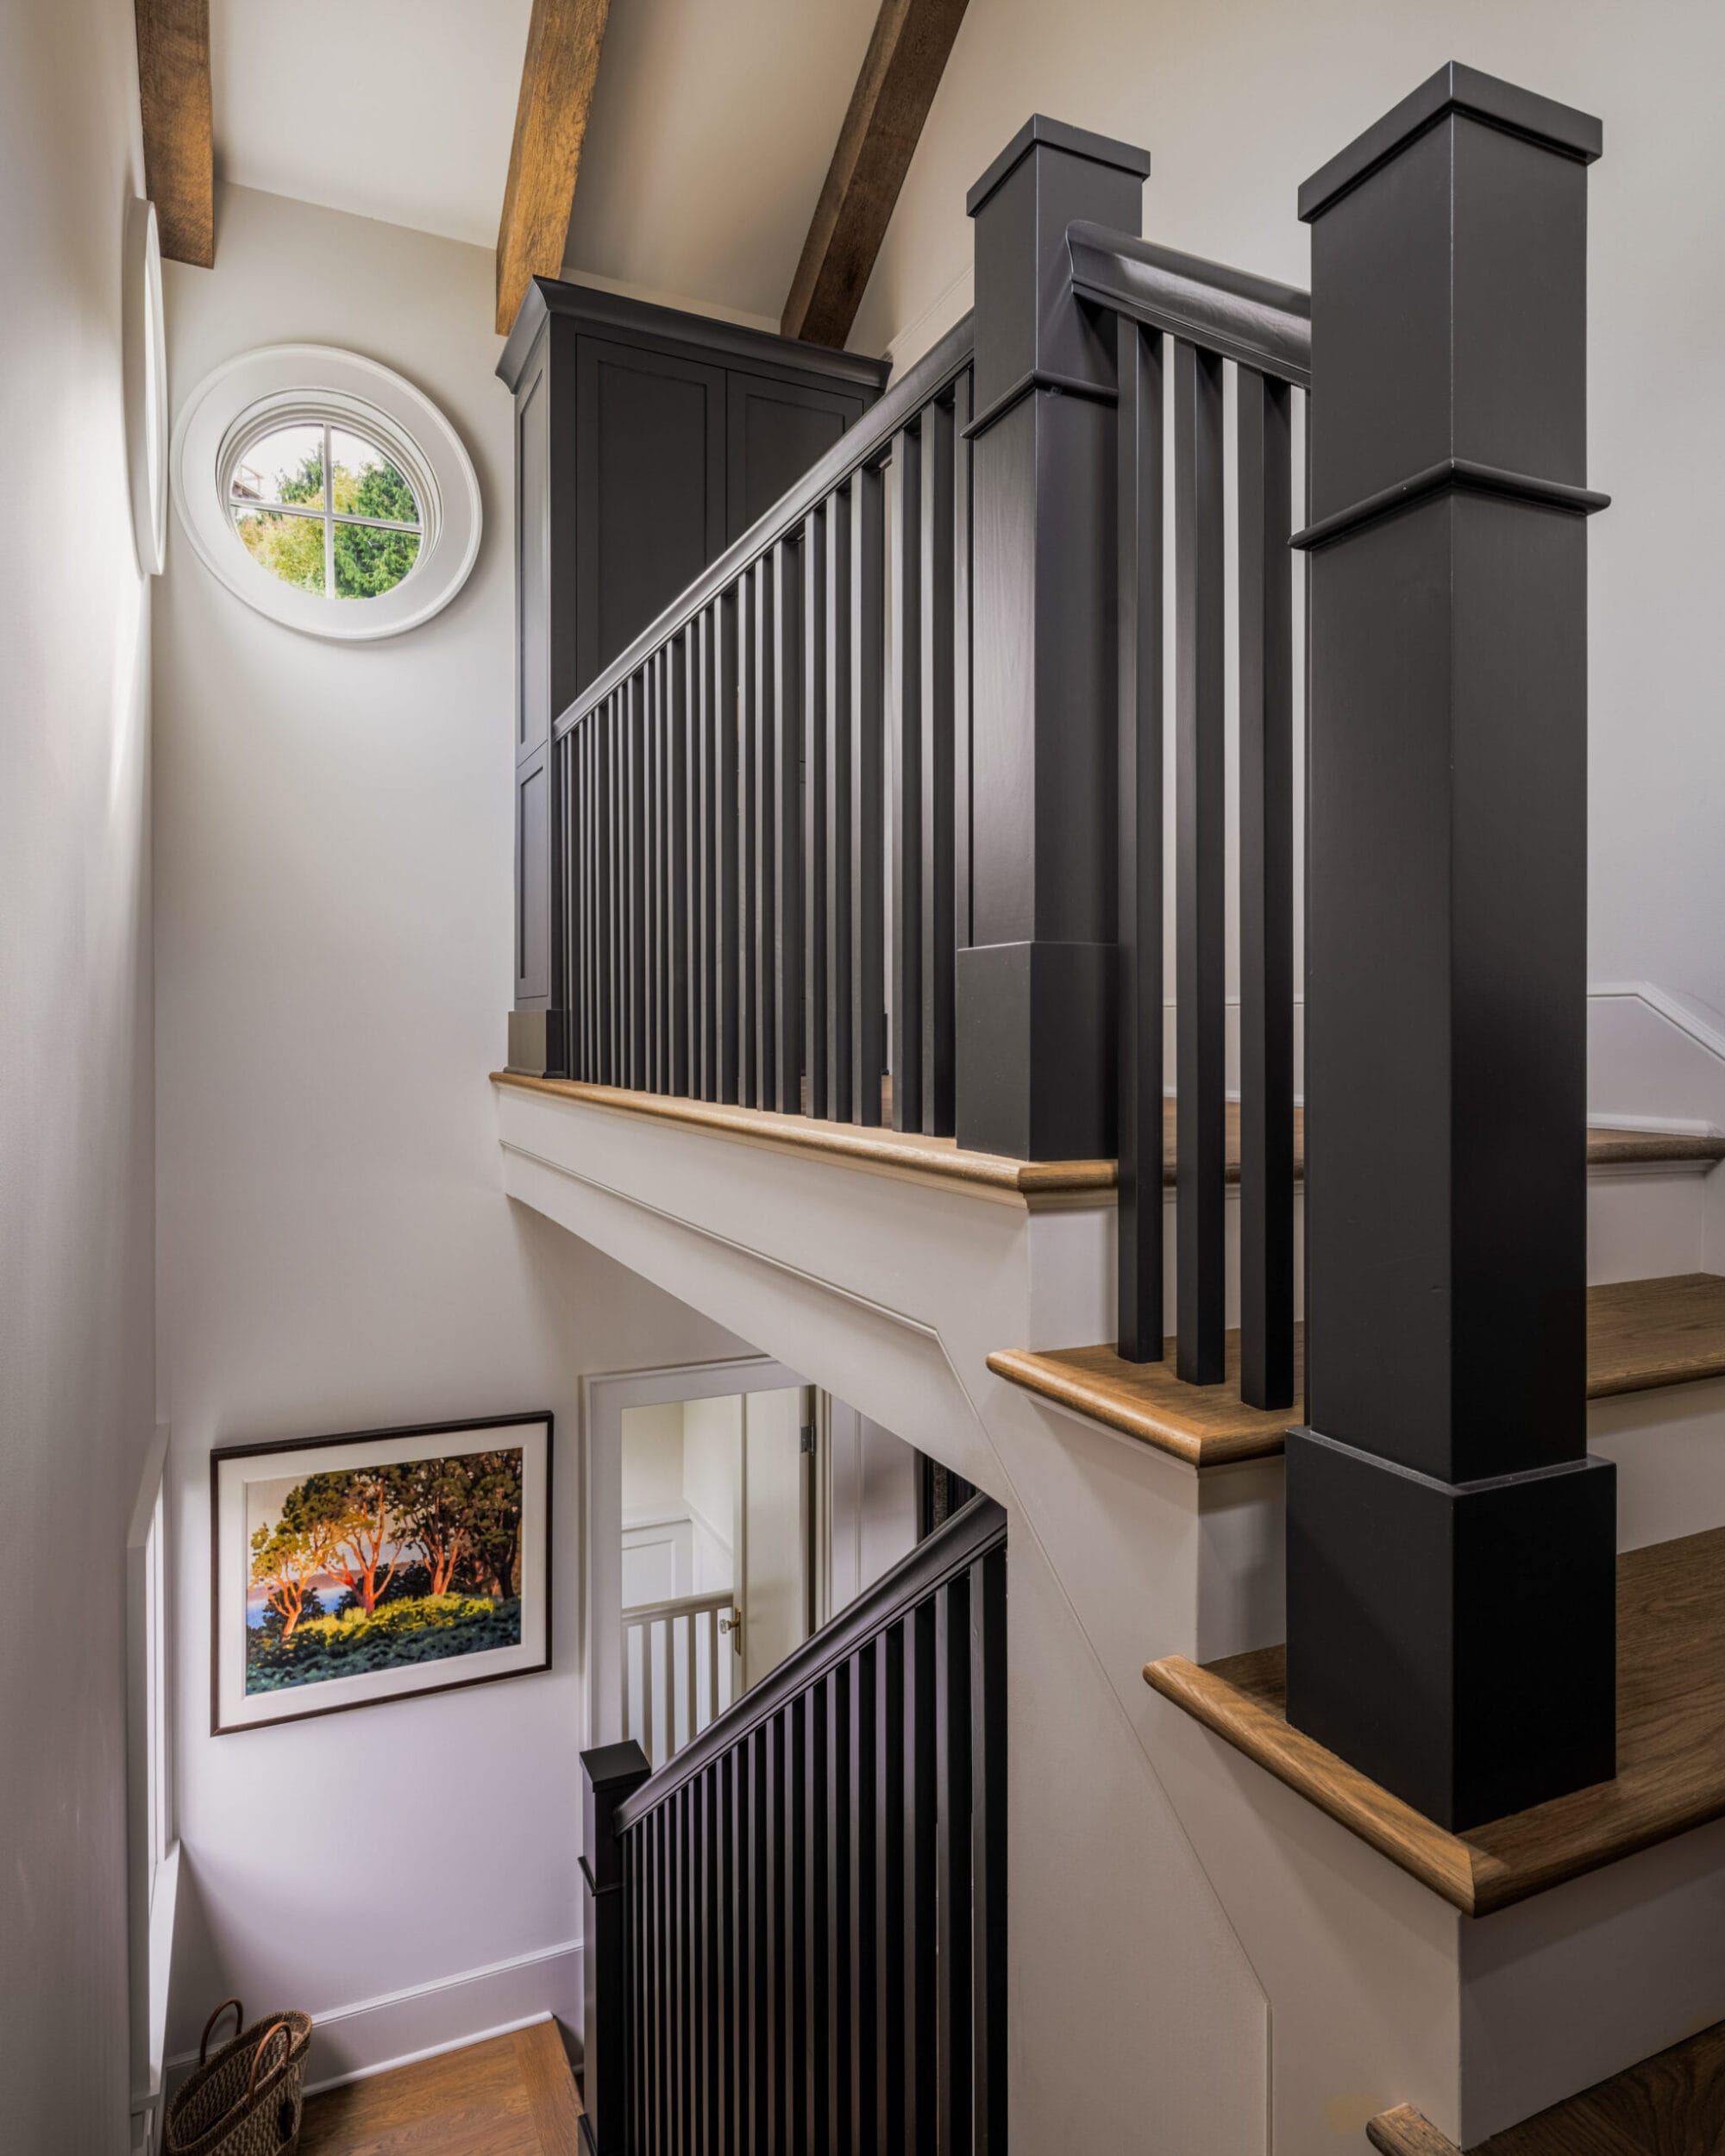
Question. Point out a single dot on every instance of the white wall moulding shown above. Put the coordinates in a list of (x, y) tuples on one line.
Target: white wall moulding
[(146, 370), (310, 385)]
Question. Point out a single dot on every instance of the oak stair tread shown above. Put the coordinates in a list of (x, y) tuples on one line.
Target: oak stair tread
[(1641, 1334), (1673, 2104), (1670, 1744)]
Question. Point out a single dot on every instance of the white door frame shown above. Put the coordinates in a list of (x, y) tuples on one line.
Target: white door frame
[(604, 1397)]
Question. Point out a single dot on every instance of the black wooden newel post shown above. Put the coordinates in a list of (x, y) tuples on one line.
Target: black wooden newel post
[(1035, 989), (1450, 1543), (608, 1774)]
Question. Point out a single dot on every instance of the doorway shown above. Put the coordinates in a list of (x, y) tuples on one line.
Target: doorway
[(732, 1509)]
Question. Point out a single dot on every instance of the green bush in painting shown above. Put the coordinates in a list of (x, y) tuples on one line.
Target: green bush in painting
[(397, 1635)]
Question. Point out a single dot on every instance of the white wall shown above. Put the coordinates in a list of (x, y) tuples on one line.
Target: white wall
[(652, 1458), (76, 1385), (1238, 102), (334, 957), (712, 1470)]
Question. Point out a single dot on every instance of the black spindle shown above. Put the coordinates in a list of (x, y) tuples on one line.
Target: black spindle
[(1139, 501), (1200, 902), (816, 721), (908, 597), (939, 639), (1264, 464), (868, 723)]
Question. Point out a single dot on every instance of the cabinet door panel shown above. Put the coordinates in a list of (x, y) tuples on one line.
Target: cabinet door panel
[(533, 558), (650, 464), (776, 430)]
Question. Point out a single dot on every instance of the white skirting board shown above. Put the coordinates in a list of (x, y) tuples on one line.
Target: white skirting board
[(370, 2036)]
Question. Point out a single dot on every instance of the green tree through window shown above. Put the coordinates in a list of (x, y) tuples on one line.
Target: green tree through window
[(368, 561)]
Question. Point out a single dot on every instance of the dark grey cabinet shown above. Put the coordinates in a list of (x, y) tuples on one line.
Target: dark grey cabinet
[(645, 441)]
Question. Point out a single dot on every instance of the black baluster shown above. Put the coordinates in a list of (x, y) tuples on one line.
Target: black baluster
[(727, 718), (988, 1849), (862, 2022), (952, 2004), (840, 896), (868, 722), (747, 841), (890, 1885), (962, 659), (1140, 1226), (938, 611), (819, 1941), (1264, 464), (816, 721), (682, 857), (1201, 899), (918, 2009), (788, 935), (907, 863), (766, 900)]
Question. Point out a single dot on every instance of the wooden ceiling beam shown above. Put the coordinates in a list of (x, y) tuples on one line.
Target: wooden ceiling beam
[(557, 76), (902, 71), (174, 93)]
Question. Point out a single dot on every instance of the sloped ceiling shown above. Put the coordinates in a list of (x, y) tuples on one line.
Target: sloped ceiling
[(711, 127)]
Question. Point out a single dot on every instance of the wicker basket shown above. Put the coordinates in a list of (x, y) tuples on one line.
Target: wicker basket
[(245, 2101)]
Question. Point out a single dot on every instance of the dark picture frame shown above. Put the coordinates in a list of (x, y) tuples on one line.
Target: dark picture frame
[(237, 1706)]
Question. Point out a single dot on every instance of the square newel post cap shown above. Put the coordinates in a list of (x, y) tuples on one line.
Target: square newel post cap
[(1457, 89), (1030, 331), (1040, 132)]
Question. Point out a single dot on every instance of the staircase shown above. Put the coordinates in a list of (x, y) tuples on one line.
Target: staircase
[(1356, 1396)]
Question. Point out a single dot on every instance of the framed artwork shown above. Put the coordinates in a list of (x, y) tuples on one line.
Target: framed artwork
[(377, 1564)]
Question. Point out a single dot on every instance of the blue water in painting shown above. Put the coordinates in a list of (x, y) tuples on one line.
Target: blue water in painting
[(257, 1604)]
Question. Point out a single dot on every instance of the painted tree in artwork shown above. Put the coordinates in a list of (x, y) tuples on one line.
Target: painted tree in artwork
[(493, 1505), (287, 1557), (432, 1512), (359, 1509)]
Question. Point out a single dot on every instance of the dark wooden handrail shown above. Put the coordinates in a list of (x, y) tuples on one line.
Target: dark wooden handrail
[(971, 1532), (866, 441), (1262, 325)]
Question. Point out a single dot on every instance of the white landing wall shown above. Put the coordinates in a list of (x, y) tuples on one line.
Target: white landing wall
[(1238, 102), (76, 1230), (336, 1254)]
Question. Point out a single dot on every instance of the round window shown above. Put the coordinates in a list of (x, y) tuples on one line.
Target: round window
[(326, 492)]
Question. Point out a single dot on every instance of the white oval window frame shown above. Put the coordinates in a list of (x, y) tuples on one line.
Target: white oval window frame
[(285, 383), (145, 383)]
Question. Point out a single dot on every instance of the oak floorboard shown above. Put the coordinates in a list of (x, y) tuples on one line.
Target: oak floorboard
[(1670, 1744), (511, 2096)]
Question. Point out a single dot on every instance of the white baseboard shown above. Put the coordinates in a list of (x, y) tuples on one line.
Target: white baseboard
[(370, 2036)]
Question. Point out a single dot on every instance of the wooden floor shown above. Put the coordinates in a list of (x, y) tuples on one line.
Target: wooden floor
[(1671, 1764), (1641, 1334), (1671, 2105), (513, 2095)]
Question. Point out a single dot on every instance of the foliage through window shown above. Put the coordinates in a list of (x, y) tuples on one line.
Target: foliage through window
[(352, 534)]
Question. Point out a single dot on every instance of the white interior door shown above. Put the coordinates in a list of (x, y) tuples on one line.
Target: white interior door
[(773, 1537)]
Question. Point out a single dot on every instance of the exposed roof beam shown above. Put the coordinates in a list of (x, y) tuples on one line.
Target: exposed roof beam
[(174, 92), (563, 41), (902, 71)]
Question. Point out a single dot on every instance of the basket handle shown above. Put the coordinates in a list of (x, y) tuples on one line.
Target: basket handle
[(238, 2023), (275, 2028)]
